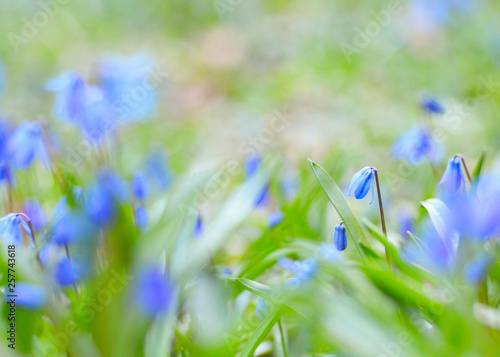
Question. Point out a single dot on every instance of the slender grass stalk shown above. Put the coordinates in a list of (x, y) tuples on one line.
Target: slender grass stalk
[(465, 167), (283, 341), (30, 225), (382, 216)]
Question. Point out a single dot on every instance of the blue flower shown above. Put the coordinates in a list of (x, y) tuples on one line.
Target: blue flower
[(141, 217), (70, 98), (10, 227), (304, 270), (30, 296), (476, 269), (340, 237), (157, 169), (72, 227), (25, 143), (127, 85), (405, 225), (140, 185), (198, 225), (35, 212), (6, 172), (275, 218), (453, 177), (431, 105), (66, 271), (154, 291), (252, 164), (262, 197), (416, 145), (362, 182)]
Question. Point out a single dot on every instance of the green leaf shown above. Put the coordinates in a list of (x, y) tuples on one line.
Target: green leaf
[(336, 197), (260, 333), (479, 165)]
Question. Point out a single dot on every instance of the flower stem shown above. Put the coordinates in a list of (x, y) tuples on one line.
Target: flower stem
[(30, 225), (283, 342), (72, 272), (465, 167), (382, 216)]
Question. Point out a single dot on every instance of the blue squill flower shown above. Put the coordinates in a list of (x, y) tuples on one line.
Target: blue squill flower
[(30, 296), (26, 143), (70, 98), (157, 170), (453, 177), (198, 225), (140, 186), (72, 227), (304, 270), (127, 85), (66, 272), (35, 212), (154, 291), (6, 172), (10, 227), (141, 217), (340, 237), (275, 218), (262, 197), (431, 105), (252, 164), (362, 182), (415, 145)]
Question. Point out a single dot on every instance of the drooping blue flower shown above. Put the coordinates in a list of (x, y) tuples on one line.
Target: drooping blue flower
[(140, 185), (154, 291), (10, 227), (72, 227), (157, 169), (66, 272), (26, 143), (340, 237), (35, 212), (415, 145), (141, 217), (129, 86), (304, 270), (453, 177), (103, 196), (198, 225), (431, 105), (70, 97), (275, 218), (30, 296), (362, 182)]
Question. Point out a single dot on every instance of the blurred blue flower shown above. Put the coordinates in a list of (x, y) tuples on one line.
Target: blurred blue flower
[(405, 225), (157, 169), (70, 97), (30, 296), (127, 84), (275, 218), (72, 227), (154, 291), (103, 195), (431, 105), (304, 270), (5, 172), (198, 225), (340, 237), (25, 143), (453, 177), (66, 272), (140, 185), (252, 164), (10, 228), (262, 197), (35, 212), (415, 145), (362, 182), (476, 269), (141, 217), (49, 252)]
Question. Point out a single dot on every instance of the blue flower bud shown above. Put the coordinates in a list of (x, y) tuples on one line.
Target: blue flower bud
[(66, 272), (157, 169), (340, 237), (362, 182), (10, 227), (140, 185), (453, 177), (26, 143), (141, 217), (198, 225), (252, 164), (30, 296), (154, 291), (431, 105), (72, 227)]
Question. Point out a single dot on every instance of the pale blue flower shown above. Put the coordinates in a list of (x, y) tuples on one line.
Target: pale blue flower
[(362, 182), (340, 237)]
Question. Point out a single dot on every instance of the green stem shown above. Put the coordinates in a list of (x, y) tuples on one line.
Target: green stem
[(283, 341), (382, 216)]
